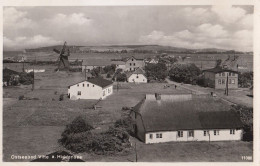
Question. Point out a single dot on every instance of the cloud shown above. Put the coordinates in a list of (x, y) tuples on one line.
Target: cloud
[(73, 19), (228, 14), (31, 42), (14, 19), (180, 26), (203, 36)]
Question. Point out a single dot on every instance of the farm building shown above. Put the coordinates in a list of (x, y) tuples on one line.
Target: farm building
[(166, 118), (137, 76), (133, 63), (154, 61), (119, 64), (89, 64), (94, 88), (217, 77)]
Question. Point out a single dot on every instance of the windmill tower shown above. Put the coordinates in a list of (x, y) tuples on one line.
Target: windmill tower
[(63, 57)]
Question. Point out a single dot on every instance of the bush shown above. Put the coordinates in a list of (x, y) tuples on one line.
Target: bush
[(246, 116), (21, 97), (120, 77), (78, 138), (108, 75), (245, 80), (61, 97)]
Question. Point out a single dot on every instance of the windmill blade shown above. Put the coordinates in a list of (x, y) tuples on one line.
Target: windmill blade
[(57, 51), (63, 48)]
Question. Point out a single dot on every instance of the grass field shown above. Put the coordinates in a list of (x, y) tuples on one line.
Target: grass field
[(33, 126)]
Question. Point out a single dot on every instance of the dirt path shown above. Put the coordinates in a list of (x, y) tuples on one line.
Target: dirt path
[(238, 96)]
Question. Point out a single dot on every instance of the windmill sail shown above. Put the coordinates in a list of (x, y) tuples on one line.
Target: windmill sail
[(63, 58)]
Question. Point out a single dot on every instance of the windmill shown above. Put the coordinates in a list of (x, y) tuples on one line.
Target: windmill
[(63, 57)]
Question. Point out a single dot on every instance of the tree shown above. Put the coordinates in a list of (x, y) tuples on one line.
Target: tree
[(78, 125), (156, 71), (185, 73), (245, 80)]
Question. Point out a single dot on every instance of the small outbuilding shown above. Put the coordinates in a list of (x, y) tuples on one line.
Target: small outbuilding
[(94, 88)]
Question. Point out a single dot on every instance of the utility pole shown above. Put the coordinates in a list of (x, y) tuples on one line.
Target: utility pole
[(136, 159), (23, 63), (33, 72), (227, 85)]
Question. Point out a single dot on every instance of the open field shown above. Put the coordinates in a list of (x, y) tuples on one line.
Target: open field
[(201, 60)]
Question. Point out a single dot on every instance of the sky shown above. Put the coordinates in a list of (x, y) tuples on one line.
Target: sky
[(196, 27)]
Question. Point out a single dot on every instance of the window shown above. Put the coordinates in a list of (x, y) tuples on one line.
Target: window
[(229, 74), (216, 132), (233, 81), (134, 64), (205, 133), (219, 81), (83, 85), (130, 69), (130, 64), (233, 74), (137, 76), (79, 93), (191, 133), (223, 81), (159, 135), (232, 131), (151, 136), (132, 59), (180, 133), (229, 81), (78, 85), (87, 85), (93, 85), (223, 74)]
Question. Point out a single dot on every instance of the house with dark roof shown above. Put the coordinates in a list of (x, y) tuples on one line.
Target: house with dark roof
[(93, 88), (137, 76), (133, 63), (165, 118), (221, 78)]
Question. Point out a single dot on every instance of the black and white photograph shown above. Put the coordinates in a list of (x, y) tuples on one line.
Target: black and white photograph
[(120, 83)]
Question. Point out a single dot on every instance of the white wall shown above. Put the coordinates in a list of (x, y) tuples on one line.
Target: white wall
[(168, 136), (89, 91), (141, 78)]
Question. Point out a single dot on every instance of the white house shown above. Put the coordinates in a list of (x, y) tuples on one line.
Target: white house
[(161, 119), (154, 61), (94, 88), (138, 76)]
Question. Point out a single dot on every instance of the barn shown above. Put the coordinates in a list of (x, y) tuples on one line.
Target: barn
[(137, 76), (94, 88), (167, 118)]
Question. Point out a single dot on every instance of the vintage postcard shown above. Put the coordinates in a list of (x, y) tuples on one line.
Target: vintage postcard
[(129, 83)]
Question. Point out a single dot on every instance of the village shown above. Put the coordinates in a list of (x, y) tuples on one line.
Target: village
[(129, 83), (207, 109)]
